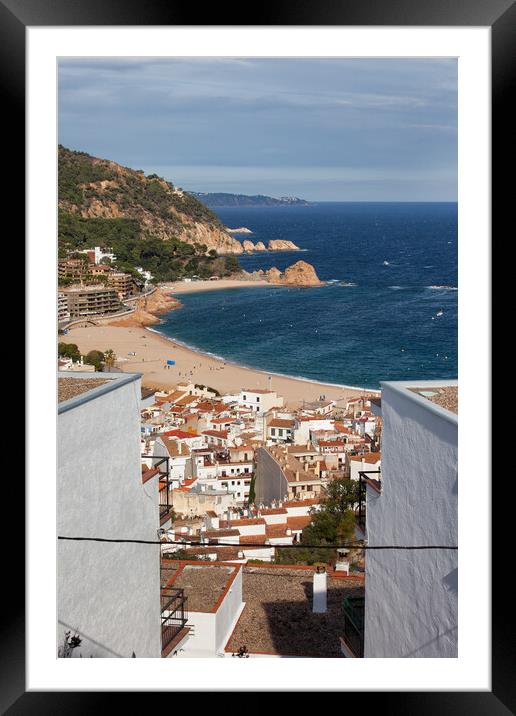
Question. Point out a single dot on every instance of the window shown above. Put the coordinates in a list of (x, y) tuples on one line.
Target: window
[(273, 431), (245, 397), (257, 399)]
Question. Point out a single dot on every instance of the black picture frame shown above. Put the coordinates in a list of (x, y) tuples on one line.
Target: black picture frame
[(15, 17)]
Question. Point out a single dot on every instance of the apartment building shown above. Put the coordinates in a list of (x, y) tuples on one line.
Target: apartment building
[(63, 314), (125, 284), (86, 301)]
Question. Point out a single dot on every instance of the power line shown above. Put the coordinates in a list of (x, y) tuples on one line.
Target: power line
[(191, 543)]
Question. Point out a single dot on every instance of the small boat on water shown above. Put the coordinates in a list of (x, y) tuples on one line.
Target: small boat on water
[(386, 263), (439, 313)]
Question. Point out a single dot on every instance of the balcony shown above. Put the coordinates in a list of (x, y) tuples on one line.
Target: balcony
[(165, 505), (161, 467), (354, 625), (174, 616)]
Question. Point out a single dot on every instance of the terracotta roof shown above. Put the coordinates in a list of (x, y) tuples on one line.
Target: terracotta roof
[(216, 433), (147, 473), (276, 530), (180, 434), (280, 423), (216, 534), (175, 448), (252, 539), (298, 523), (301, 503), (371, 457), (187, 399), (243, 522)]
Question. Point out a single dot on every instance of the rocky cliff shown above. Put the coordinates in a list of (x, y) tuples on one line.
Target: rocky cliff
[(92, 188), (273, 245), (148, 308), (280, 245), (299, 274)]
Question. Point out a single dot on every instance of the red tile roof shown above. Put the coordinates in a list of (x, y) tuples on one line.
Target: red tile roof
[(180, 434)]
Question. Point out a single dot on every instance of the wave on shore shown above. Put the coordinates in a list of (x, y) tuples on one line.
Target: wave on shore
[(227, 361)]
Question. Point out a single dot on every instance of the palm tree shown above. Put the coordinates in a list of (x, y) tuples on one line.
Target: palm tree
[(109, 357)]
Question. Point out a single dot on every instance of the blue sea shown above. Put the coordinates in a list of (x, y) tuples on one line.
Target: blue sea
[(389, 322)]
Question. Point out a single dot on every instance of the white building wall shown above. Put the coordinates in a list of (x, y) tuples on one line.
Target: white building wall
[(228, 612), (108, 592), (411, 596)]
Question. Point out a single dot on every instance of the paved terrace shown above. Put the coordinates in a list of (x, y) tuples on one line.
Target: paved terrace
[(278, 618)]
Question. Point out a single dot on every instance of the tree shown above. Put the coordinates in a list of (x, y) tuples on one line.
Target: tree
[(333, 523), (109, 357), (340, 495), (95, 358), (69, 350)]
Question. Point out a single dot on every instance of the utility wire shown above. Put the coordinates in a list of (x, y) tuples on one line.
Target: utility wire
[(190, 543)]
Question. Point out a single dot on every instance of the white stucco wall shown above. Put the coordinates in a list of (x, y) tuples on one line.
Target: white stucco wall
[(228, 612), (109, 593), (210, 631), (411, 596)]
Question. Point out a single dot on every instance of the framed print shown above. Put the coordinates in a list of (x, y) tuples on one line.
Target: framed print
[(270, 256)]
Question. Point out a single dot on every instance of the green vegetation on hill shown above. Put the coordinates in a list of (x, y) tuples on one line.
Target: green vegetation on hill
[(142, 215)]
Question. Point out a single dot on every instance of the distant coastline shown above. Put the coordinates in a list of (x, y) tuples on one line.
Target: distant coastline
[(224, 200)]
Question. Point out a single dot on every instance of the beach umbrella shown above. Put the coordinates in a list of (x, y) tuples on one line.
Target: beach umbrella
[(170, 362)]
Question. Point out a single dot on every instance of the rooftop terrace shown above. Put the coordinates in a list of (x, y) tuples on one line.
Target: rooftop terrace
[(278, 617), (203, 585), (70, 387), (447, 396)]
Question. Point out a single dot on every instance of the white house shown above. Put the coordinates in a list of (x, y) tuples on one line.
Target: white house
[(100, 493), (214, 594), (411, 595), (259, 401), (369, 462), (280, 430)]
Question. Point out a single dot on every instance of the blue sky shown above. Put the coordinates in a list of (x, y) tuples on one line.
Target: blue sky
[(321, 129)]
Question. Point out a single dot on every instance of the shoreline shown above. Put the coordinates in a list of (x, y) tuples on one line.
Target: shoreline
[(153, 348), (229, 361)]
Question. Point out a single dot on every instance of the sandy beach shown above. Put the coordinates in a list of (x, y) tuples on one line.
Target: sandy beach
[(179, 287), (152, 350)]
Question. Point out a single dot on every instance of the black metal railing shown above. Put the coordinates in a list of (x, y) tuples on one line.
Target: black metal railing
[(165, 504), (174, 614), (354, 624), (162, 465), (363, 476)]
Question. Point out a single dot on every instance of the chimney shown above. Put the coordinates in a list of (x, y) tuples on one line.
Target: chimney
[(229, 519), (320, 589), (297, 475), (342, 564)]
